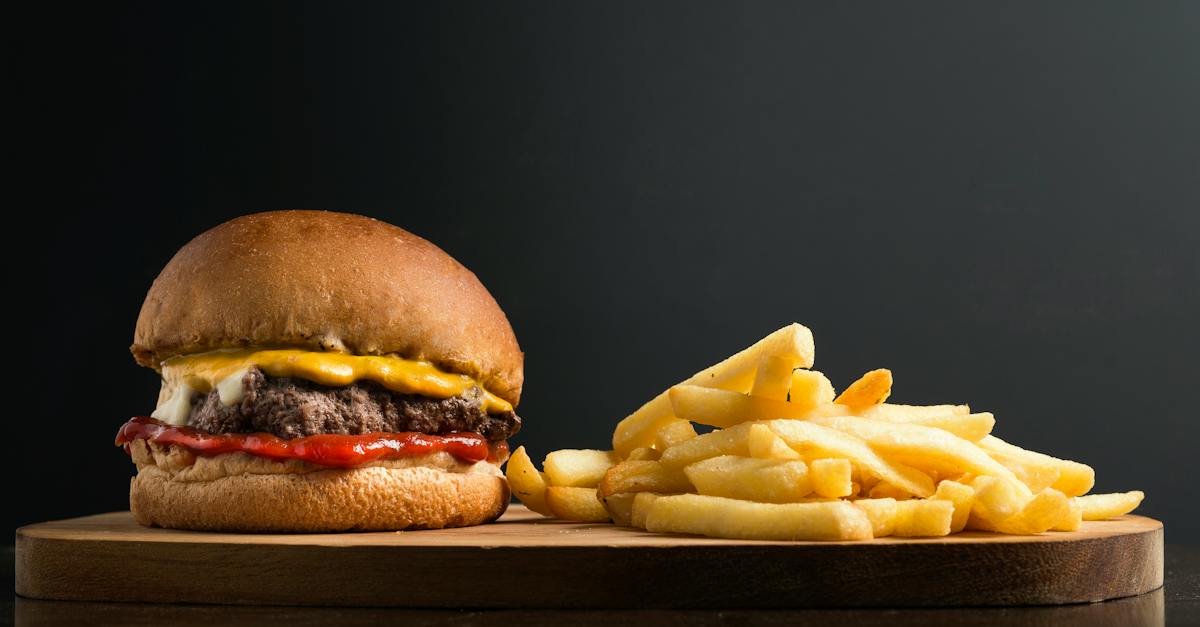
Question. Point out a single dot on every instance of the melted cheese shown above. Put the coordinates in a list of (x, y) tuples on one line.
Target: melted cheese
[(204, 371), (174, 404)]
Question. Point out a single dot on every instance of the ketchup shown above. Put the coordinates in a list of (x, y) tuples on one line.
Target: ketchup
[(338, 451)]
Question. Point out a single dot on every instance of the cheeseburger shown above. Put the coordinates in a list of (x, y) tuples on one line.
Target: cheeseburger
[(321, 372)]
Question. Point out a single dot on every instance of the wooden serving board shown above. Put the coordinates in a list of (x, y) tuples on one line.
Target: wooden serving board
[(525, 560)]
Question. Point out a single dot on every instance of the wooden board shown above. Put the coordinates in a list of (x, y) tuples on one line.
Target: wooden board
[(525, 560)]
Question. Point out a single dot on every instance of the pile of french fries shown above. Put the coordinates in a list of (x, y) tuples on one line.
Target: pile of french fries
[(789, 459)]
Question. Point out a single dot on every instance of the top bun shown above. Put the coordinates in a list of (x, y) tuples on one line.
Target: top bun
[(327, 281)]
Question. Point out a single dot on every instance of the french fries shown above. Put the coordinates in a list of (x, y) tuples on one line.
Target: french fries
[(579, 504), (881, 513), (773, 379), (810, 388), (619, 508), (829, 442), (672, 433), (643, 476), (1071, 478), (924, 447), (872, 389), (746, 478), (730, 518), (735, 374), (722, 408), (641, 507), (970, 427), (911, 413), (923, 518), (790, 460), (1104, 506), (577, 468), (830, 478), (764, 444), (962, 496), (526, 482), (734, 441)]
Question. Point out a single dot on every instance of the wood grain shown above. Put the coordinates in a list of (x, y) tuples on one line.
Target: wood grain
[(528, 561)]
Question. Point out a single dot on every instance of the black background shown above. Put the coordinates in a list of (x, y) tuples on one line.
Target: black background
[(997, 201)]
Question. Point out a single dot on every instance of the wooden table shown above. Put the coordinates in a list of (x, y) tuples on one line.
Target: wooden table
[(525, 561)]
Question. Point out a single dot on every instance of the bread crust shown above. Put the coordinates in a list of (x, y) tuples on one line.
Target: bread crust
[(328, 281), (332, 500)]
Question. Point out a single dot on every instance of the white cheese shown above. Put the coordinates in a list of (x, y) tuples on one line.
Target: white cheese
[(230, 388), (175, 409)]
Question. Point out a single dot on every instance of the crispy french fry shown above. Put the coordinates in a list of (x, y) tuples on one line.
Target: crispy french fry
[(722, 408), (732, 441), (641, 507), (773, 379), (996, 499), (916, 518), (826, 411), (1105, 506), (810, 388), (1073, 521), (962, 496), (885, 490), (673, 432), (735, 374), (925, 448), (830, 477), (871, 389), (1074, 478), (578, 504), (881, 513), (910, 413), (643, 476), (730, 518), (762, 480), (578, 468), (825, 441), (619, 507), (644, 453), (526, 482), (764, 444), (970, 427), (1041, 513)]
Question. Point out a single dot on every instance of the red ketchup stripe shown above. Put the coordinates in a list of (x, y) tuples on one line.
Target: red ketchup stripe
[(339, 451)]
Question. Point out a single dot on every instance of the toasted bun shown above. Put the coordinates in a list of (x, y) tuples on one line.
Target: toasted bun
[(328, 281), (359, 499)]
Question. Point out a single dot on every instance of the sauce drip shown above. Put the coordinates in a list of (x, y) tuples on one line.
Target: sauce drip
[(337, 451)]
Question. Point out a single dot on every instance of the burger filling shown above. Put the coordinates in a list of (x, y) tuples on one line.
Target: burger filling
[(291, 407)]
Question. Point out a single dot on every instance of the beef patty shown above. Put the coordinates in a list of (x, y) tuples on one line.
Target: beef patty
[(292, 408)]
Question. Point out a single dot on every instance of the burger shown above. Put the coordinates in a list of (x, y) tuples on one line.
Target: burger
[(321, 372)]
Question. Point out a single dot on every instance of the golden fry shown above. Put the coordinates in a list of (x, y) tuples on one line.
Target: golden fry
[(643, 476), (722, 408), (730, 518), (526, 482), (750, 479), (736, 374), (871, 389), (578, 468), (577, 504), (1105, 506), (773, 379), (810, 388)]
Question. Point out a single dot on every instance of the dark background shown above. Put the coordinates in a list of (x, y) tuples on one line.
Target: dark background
[(997, 201)]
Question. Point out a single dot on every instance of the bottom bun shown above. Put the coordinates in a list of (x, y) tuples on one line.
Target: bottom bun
[(357, 499)]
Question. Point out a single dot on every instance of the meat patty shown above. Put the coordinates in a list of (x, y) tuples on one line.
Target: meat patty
[(292, 408)]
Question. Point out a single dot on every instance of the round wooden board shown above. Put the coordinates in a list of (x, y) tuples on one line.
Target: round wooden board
[(525, 560)]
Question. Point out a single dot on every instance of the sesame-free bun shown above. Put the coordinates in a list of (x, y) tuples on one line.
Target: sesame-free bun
[(359, 499), (327, 281)]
